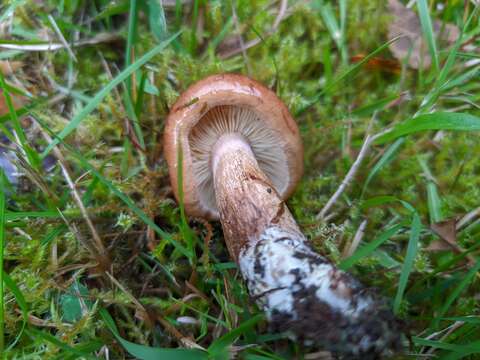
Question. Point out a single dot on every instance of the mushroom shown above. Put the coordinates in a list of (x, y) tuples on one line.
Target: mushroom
[(242, 157)]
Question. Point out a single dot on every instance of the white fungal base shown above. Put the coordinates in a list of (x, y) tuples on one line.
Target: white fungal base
[(302, 292)]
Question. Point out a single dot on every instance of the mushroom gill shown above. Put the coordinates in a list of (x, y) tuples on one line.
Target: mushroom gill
[(265, 142)]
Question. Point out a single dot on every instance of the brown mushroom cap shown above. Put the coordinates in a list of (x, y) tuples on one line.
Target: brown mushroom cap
[(229, 103)]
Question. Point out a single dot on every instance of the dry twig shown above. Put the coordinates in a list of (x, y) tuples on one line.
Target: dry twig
[(348, 178)]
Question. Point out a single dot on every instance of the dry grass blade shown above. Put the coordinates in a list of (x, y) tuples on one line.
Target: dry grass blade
[(61, 37), (464, 221), (34, 176), (102, 256), (98, 39), (348, 251), (445, 334)]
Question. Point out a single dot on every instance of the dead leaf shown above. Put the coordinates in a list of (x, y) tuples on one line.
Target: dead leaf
[(9, 67), (438, 245), (406, 24), (447, 231)]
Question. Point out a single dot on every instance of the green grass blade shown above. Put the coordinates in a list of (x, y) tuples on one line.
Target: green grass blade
[(112, 9), (328, 17), (220, 346), (448, 84), (156, 19), (433, 199), (192, 46), (449, 63), (327, 68), (185, 229), (7, 54), (427, 29), (51, 235), (347, 73), (9, 10), (377, 201), (222, 34), (468, 319), (12, 216), (22, 138), (407, 267), (124, 75), (385, 199), (129, 51), (22, 304), (343, 18), (456, 293), (386, 158), (461, 79), (369, 248), (464, 354), (134, 119), (131, 37), (61, 345), (256, 357), (87, 347), (442, 83), (150, 353), (377, 105), (3, 181), (434, 203), (462, 349), (433, 121)]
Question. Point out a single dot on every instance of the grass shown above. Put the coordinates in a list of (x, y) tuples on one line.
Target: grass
[(3, 181), (169, 282)]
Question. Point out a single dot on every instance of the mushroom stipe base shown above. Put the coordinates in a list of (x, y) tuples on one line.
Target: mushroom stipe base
[(304, 294)]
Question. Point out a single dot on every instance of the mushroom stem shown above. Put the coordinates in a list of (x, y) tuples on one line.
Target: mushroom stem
[(247, 201), (300, 291)]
